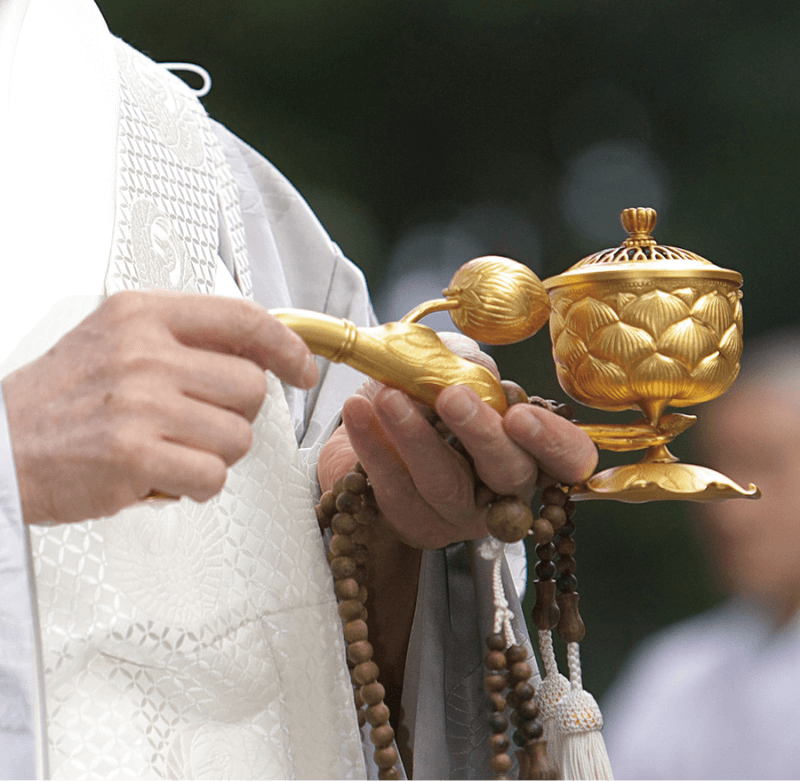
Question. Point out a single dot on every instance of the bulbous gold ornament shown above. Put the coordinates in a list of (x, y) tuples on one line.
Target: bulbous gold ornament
[(493, 300), (500, 301)]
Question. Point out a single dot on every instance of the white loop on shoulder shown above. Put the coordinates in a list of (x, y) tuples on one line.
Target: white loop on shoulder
[(190, 67)]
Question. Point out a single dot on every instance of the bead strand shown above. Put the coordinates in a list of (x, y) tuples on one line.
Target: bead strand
[(353, 503), (570, 627), (495, 683)]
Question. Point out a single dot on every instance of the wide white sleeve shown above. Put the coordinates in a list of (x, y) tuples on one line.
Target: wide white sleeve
[(18, 669)]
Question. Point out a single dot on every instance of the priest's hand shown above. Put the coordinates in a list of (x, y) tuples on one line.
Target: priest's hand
[(152, 392), (424, 488)]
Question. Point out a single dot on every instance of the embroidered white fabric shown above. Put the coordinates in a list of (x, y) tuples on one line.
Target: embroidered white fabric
[(192, 640)]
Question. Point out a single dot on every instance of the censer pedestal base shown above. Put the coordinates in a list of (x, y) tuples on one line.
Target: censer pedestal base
[(655, 481)]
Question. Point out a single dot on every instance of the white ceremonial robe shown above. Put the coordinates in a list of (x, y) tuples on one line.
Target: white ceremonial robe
[(192, 640)]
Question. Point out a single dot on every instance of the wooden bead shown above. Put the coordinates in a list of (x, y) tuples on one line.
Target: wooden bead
[(346, 588), (365, 673), (546, 551), (568, 583), (516, 653), (500, 763), (495, 660), (497, 702), (350, 610), (542, 531), (509, 519), (362, 719), (524, 690), (373, 693), (389, 773), (343, 523), (343, 567), (327, 503), (521, 671), (496, 642), (386, 757), (545, 570), (498, 722), (513, 700), (515, 394), (355, 483), (570, 628), (378, 714), (341, 545), (499, 743), (494, 682), (531, 729), (554, 514), (348, 502), (545, 613), (566, 566), (565, 546), (528, 710), (382, 736), (554, 495), (355, 630), (359, 652)]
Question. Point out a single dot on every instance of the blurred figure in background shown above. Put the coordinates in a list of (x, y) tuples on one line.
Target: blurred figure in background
[(718, 696)]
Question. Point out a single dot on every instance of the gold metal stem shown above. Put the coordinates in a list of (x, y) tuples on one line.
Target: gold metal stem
[(407, 356)]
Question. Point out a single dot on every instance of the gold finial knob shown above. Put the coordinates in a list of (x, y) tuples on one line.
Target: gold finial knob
[(639, 224)]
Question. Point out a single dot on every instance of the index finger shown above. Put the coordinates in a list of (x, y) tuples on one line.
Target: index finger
[(242, 328)]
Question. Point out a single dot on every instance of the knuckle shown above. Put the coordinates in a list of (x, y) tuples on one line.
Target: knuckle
[(249, 322), (511, 478), (240, 436), (123, 447), (122, 306), (209, 480)]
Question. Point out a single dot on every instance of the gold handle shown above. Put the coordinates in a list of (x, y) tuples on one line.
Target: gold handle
[(408, 356)]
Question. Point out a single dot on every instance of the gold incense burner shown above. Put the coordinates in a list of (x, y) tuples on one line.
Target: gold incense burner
[(647, 326), (640, 326)]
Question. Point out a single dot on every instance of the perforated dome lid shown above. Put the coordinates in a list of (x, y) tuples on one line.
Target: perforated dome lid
[(640, 256)]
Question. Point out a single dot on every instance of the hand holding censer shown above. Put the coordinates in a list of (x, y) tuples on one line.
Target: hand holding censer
[(639, 326)]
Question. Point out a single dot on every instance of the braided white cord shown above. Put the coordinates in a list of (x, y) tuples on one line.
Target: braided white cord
[(574, 665), (547, 651), (494, 550)]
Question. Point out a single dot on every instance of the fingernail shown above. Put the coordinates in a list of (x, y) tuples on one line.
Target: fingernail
[(396, 406), (310, 372), (460, 407), (534, 424)]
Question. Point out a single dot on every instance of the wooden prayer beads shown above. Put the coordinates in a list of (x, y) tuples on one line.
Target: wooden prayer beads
[(349, 510), (507, 683)]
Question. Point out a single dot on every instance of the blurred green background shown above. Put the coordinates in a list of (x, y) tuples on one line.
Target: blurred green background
[(427, 132)]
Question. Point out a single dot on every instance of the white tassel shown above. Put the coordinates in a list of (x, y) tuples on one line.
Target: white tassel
[(583, 750)]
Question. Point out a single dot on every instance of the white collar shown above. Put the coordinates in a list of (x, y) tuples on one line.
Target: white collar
[(59, 113)]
